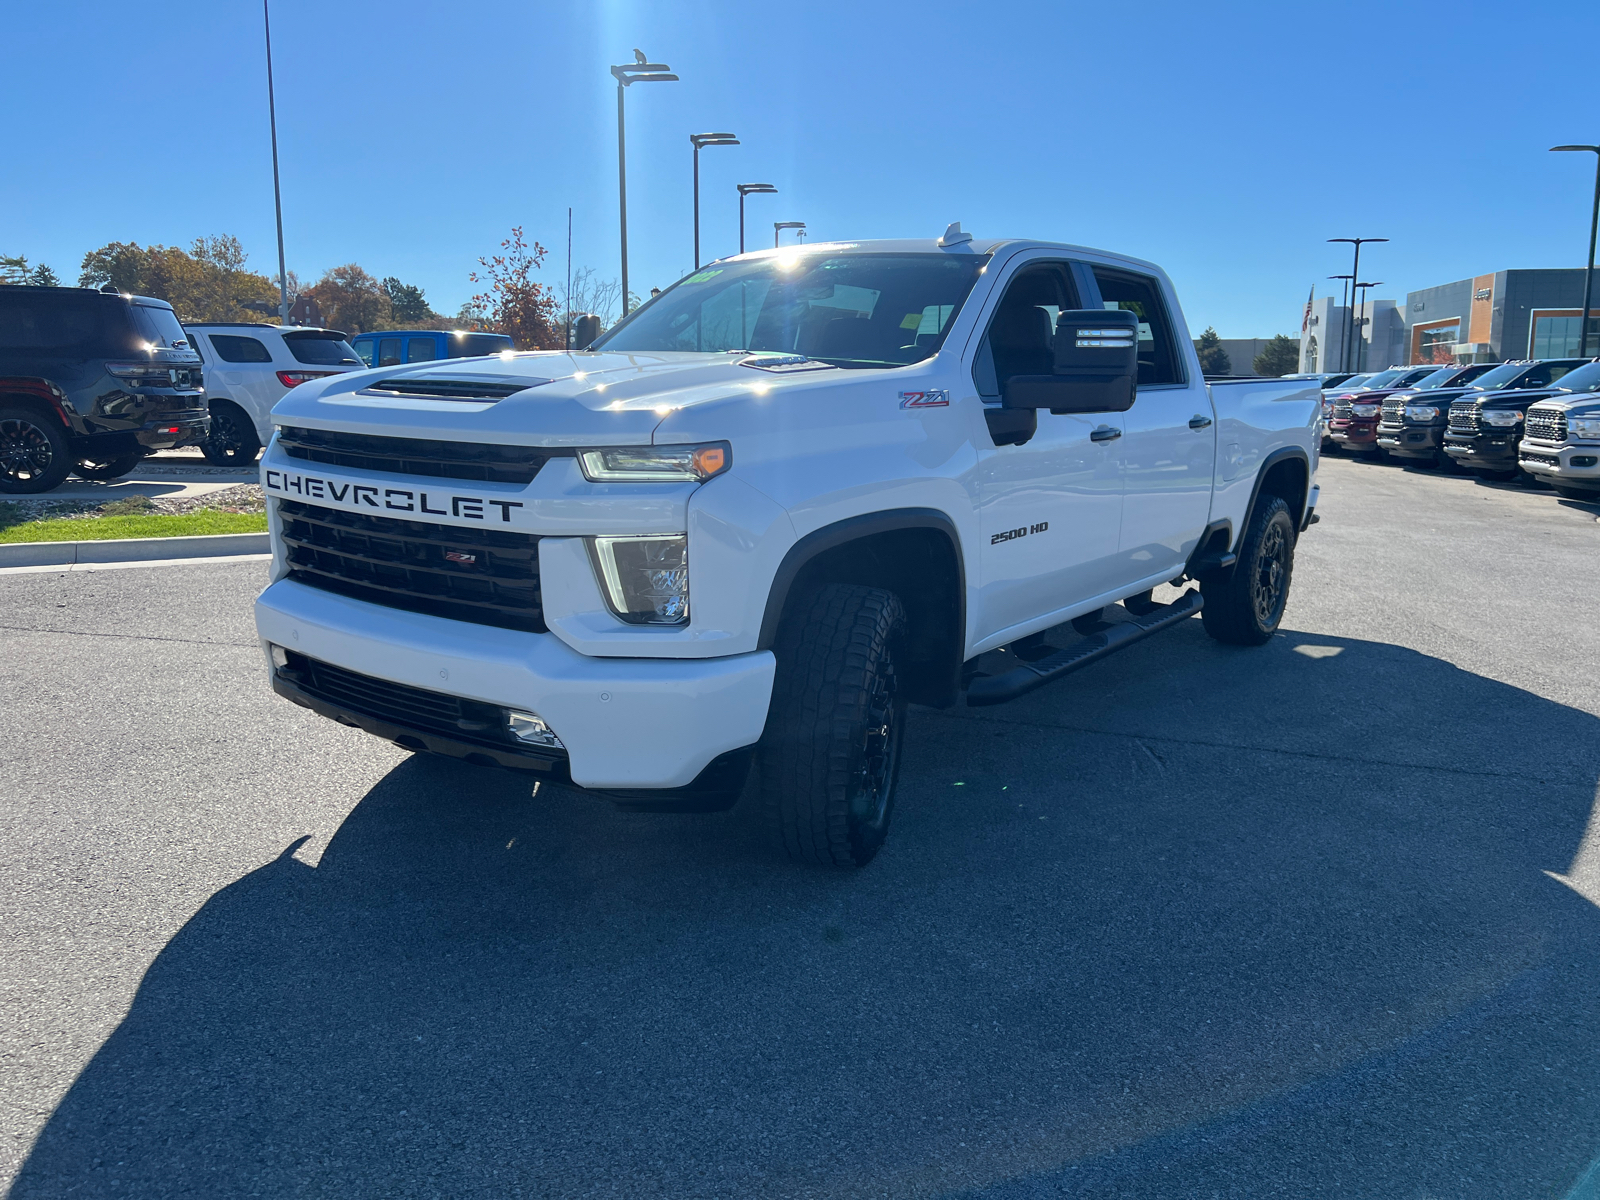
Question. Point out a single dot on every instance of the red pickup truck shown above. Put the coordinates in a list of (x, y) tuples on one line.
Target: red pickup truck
[(1354, 423)]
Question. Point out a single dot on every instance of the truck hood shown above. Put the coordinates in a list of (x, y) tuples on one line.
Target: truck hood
[(1514, 397), (537, 398), (1567, 401)]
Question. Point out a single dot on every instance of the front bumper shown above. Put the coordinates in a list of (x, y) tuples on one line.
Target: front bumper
[(1411, 441), (1348, 431), (627, 723), (1578, 465), (1497, 452), (171, 430)]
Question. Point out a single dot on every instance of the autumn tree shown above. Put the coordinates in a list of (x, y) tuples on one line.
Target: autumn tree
[(208, 282), (351, 299), (1281, 356), (1213, 358), (515, 304)]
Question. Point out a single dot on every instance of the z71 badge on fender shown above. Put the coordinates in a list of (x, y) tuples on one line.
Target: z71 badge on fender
[(935, 399)]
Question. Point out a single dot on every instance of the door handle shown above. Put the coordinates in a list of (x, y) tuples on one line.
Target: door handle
[(1198, 421), (1106, 433)]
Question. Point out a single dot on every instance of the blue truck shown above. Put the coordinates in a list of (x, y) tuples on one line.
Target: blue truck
[(392, 347)]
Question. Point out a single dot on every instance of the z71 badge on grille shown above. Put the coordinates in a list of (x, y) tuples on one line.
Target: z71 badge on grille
[(936, 399), (460, 556)]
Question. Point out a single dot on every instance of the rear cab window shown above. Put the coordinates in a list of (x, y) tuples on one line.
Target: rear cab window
[(1141, 295)]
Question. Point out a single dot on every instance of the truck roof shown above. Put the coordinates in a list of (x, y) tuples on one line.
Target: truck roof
[(975, 246)]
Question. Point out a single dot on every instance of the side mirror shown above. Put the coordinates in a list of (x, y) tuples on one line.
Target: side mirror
[(1096, 365)]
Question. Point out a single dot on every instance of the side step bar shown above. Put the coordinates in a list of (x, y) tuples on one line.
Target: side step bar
[(997, 689)]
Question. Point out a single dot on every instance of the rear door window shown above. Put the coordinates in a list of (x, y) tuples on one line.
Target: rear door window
[(1141, 295), (421, 349), (472, 345), (231, 347), (388, 352)]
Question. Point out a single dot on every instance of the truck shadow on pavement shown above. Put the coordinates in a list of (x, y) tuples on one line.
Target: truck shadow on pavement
[(1316, 920)]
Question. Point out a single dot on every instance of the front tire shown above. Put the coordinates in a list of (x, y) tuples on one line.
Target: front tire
[(232, 441), (107, 468), (1244, 607), (33, 451), (830, 754)]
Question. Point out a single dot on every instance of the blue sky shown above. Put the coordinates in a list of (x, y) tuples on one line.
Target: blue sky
[(1204, 137)]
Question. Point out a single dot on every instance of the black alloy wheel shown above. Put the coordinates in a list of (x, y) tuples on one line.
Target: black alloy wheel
[(1269, 585), (1245, 604), (883, 731), (232, 441), (33, 453), (107, 468)]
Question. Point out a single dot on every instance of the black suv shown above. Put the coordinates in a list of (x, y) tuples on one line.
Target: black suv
[(1485, 426), (1412, 422), (91, 382)]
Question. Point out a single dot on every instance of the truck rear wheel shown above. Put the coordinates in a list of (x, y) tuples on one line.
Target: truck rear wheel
[(1245, 606), (830, 754)]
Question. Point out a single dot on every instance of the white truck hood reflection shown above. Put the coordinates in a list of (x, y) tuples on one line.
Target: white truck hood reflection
[(582, 398)]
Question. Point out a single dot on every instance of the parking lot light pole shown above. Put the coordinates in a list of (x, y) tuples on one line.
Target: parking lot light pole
[(746, 189), (277, 195), (699, 140), (1355, 273), (638, 71), (1361, 348), (779, 226), (1594, 223), (1344, 303)]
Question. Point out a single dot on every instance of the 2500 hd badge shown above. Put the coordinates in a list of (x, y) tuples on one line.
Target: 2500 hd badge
[(310, 487), (1021, 531)]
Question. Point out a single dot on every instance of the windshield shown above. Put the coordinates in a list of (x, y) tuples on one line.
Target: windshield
[(1585, 379), (1436, 380), (851, 310), (1499, 377), (1382, 378), (1351, 384), (321, 350)]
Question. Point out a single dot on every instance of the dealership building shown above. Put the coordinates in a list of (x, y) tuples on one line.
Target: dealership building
[(1489, 318)]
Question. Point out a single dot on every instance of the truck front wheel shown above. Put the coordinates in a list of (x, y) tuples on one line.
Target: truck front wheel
[(830, 753), (1245, 606)]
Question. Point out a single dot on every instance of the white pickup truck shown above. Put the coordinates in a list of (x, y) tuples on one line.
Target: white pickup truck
[(795, 492)]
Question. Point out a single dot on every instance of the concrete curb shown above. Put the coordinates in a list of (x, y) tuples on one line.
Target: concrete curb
[(115, 550)]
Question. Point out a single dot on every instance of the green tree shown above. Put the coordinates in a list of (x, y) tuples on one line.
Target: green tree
[(1213, 358), (1281, 357), (407, 303), (14, 268), (208, 282)]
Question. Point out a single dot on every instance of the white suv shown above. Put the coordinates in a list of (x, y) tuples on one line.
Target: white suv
[(249, 367)]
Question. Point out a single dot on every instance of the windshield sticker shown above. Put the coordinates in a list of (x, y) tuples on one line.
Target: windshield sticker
[(934, 399), (911, 321), (702, 276)]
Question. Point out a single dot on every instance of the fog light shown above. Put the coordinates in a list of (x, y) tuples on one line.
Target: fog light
[(531, 728), (1584, 460), (280, 656)]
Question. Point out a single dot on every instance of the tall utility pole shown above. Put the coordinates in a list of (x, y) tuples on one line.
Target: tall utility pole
[(1355, 273), (277, 195), (1588, 278), (1361, 304), (567, 344), (638, 71), (699, 140)]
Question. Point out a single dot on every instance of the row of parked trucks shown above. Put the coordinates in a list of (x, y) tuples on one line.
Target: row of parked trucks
[(1537, 419)]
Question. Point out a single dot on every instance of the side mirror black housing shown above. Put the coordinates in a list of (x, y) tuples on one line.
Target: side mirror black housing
[(1096, 365)]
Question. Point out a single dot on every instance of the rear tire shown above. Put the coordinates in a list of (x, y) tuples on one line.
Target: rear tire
[(1245, 606), (33, 451), (1567, 492), (232, 441), (107, 468), (830, 755)]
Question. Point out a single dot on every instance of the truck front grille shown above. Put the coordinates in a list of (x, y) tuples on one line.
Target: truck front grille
[(1464, 416), (487, 576), (417, 456), (1546, 425), (1342, 408), (1394, 412)]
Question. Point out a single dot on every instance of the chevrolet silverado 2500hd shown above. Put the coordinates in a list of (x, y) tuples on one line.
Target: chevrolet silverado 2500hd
[(796, 491)]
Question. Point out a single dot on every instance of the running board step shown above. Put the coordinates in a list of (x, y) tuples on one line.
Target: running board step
[(997, 689)]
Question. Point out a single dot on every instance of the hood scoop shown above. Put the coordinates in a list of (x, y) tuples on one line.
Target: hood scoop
[(472, 391)]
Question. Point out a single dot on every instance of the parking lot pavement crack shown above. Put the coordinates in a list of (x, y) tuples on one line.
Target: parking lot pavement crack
[(136, 637), (1361, 760)]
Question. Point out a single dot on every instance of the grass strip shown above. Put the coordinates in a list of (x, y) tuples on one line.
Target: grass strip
[(151, 525)]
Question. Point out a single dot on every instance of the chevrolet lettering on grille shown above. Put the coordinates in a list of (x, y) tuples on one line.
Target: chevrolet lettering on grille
[(431, 502)]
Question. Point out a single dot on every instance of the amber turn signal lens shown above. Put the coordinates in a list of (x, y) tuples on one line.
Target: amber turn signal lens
[(708, 460)]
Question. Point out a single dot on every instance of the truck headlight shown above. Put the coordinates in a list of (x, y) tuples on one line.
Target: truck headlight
[(1421, 412), (655, 464), (1365, 410), (645, 578), (1500, 416), (1583, 427)]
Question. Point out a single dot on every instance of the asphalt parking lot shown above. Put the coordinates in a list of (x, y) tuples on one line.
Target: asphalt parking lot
[(1314, 920)]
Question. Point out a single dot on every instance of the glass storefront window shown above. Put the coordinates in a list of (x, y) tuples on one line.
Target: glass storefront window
[(1557, 337), (1436, 345)]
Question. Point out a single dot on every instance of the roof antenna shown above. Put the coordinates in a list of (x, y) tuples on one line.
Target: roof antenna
[(954, 235)]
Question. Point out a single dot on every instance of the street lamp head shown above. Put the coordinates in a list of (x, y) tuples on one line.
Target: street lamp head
[(1341, 276), (1358, 241), (712, 139), (1596, 149), (1371, 285), (747, 189), (642, 72)]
